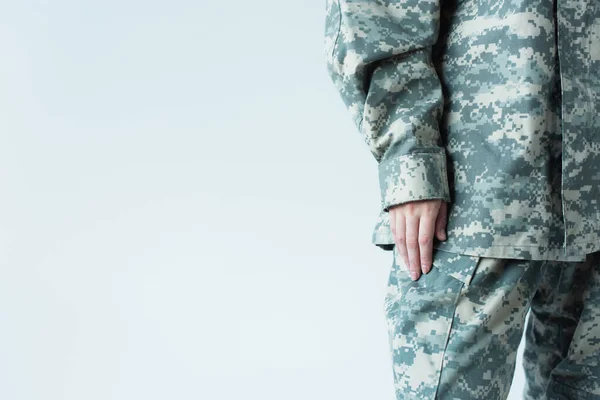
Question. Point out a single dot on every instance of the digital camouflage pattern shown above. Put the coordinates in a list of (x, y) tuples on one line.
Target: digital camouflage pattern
[(493, 107), (456, 337)]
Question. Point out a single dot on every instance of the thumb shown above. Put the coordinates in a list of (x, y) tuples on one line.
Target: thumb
[(440, 221)]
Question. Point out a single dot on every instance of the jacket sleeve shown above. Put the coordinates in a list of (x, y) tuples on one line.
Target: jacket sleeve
[(378, 54)]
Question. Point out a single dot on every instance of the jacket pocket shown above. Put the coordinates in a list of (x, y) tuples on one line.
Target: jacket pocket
[(459, 266)]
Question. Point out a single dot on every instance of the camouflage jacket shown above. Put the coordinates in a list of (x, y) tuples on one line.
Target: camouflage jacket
[(493, 107)]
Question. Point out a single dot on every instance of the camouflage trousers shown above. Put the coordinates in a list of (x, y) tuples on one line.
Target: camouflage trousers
[(454, 333)]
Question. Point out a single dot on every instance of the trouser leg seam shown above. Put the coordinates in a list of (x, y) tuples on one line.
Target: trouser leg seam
[(551, 380)]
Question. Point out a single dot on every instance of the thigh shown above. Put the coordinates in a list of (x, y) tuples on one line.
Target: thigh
[(480, 357), (577, 376), (554, 314), (455, 331), (419, 316)]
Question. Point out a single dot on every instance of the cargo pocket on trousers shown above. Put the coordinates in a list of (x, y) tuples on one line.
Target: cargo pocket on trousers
[(458, 266), (420, 319)]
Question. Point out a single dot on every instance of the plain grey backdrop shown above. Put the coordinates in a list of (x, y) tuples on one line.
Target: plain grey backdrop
[(186, 207)]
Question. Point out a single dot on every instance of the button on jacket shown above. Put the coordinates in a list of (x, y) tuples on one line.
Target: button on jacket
[(493, 107)]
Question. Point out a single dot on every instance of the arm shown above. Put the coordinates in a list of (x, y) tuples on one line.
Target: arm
[(378, 55)]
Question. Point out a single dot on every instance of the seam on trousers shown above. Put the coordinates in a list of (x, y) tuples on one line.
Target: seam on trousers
[(448, 333), (567, 388)]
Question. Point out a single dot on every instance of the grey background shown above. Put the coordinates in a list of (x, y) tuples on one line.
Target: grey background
[(186, 207)]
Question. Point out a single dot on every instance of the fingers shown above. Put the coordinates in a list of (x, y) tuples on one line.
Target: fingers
[(414, 226), (426, 232), (399, 231), (412, 245), (441, 220)]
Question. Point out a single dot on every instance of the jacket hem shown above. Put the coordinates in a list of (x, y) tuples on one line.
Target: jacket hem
[(504, 251)]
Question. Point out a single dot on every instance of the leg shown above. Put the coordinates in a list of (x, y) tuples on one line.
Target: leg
[(555, 312), (419, 314), (489, 320), (454, 335), (577, 376)]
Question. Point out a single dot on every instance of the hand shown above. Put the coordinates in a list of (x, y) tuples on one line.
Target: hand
[(413, 225)]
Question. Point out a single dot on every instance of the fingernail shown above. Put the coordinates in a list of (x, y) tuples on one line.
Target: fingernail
[(426, 269), (413, 276)]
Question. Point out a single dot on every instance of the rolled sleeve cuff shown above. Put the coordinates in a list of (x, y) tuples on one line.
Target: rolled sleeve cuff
[(414, 176)]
